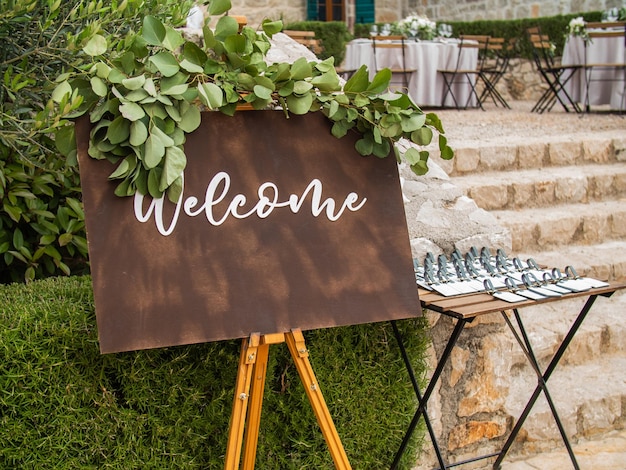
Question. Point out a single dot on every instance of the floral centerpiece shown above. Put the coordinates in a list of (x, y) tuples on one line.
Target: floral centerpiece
[(577, 27), (418, 26)]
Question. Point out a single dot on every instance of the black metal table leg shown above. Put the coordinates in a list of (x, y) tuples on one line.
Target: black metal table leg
[(541, 386), (423, 399)]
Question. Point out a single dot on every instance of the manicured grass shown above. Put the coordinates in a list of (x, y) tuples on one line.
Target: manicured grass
[(63, 405)]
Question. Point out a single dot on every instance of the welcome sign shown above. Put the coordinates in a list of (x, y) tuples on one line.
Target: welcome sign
[(280, 225)]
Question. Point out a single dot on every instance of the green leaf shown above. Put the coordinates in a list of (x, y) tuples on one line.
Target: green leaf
[(413, 122), (218, 7), (193, 54), (138, 133), (211, 95), (235, 43), (226, 26), (155, 150), (380, 81), (412, 156), (422, 136), (154, 178), (190, 119), (328, 81), (272, 27), (18, 239), (301, 69), (132, 111), (301, 87), (97, 45), (173, 39), (299, 104), (165, 63), (134, 83), (262, 92), (119, 130), (65, 140), (190, 67), (358, 82), (98, 86), (364, 146), (420, 168), (446, 151), (153, 31), (62, 89), (175, 162)]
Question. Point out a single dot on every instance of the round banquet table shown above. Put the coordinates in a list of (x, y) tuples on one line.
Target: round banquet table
[(610, 90), (426, 85)]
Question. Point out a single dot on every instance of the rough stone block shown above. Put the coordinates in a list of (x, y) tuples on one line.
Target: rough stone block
[(466, 160), (564, 153), (544, 193), (523, 194), (604, 185), (498, 158), (571, 189), (597, 150), (490, 197), (599, 415), (474, 431), (532, 155), (596, 228), (557, 232), (618, 225)]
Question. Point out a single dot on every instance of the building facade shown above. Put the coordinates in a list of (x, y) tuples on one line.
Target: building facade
[(368, 11)]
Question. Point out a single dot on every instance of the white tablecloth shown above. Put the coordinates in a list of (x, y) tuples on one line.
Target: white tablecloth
[(426, 86), (605, 50)]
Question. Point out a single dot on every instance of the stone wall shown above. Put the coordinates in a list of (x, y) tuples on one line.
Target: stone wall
[(438, 10), (470, 10)]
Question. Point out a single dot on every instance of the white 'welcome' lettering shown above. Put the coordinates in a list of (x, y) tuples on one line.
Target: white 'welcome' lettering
[(268, 199)]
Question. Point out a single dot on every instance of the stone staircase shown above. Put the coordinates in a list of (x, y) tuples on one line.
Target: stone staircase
[(563, 198)]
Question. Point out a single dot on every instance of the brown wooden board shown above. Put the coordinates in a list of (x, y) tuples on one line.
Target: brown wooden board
[(279, 268)]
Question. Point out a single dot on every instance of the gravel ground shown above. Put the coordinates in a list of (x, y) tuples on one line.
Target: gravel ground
[(518, 124)]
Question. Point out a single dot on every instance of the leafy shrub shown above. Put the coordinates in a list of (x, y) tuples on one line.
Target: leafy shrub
[(553, 26), (333, 34), (63, 405), (41, 222)]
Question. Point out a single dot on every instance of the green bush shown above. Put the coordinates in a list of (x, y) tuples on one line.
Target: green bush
[(553, 26), (41, 223), (333, 34), (63, 405)]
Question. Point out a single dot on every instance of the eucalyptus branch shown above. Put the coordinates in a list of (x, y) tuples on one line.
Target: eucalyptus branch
[(145, 98)]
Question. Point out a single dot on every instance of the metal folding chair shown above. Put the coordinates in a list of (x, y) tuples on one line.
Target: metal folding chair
[(554, 74), (388, 43), (605, 71), (497, 56), (464, 76)]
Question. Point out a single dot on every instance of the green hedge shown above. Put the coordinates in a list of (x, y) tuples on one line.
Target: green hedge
[(333, 34), (63, 405), (553, 26)]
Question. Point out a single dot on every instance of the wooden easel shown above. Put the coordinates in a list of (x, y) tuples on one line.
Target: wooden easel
[(249, 396)]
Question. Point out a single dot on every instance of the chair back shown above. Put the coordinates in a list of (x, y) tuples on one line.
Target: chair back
[(469, 41), (542, 48), (306, 38), (392, 42)]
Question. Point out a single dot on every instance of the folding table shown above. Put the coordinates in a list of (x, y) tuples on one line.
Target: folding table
[(464, 309)]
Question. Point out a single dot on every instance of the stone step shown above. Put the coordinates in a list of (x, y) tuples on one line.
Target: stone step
[(588, 399), (526, 152), (545, 228), (540, 187), (606, 261)]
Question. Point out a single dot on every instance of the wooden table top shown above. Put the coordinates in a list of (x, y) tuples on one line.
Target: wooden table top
[(471, 305)]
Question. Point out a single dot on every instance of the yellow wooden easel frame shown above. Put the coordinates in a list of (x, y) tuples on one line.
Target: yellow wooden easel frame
[(248, 399)]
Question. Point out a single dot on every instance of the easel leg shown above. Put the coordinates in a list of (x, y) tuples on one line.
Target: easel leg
[(247, 358), (259, 373), (300, 355)]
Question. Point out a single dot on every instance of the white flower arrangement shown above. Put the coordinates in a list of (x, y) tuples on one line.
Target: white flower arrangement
[(577, 27), (418, 25)]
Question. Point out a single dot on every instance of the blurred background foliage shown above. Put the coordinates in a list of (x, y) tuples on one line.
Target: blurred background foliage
[(42, 229)]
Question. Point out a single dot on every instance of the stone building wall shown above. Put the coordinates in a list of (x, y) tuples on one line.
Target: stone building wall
[(439, 10)]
